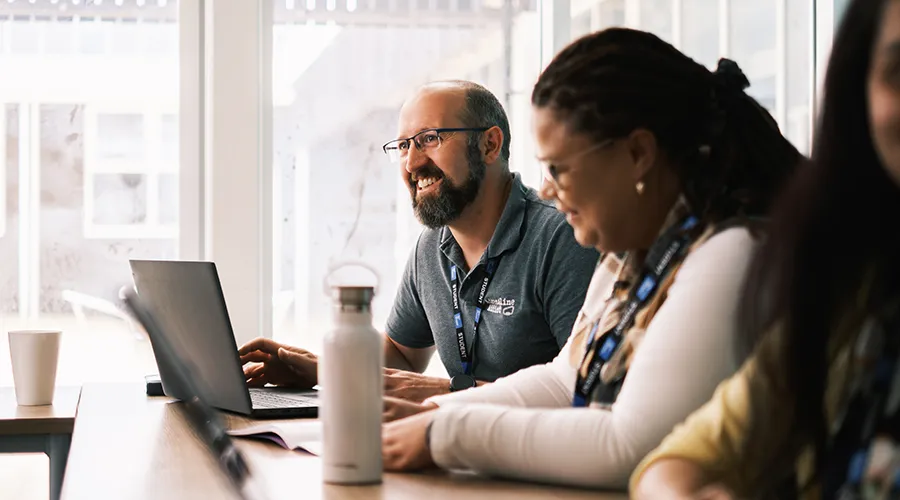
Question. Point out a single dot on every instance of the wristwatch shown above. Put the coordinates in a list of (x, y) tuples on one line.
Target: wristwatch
[(461, 382)]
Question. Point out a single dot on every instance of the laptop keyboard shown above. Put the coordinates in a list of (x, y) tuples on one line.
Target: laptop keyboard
[(271, 399)]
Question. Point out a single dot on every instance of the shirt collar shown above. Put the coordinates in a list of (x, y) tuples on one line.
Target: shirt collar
[(508, 233)]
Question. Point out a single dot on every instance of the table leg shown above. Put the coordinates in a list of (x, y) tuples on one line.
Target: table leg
[(57, 449)]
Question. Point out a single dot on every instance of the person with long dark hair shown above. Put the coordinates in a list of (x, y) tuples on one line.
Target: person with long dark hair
[(664, 167), (814, 413)]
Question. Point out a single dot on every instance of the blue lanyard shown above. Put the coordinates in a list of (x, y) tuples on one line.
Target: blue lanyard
[(579, 401), (661, 258), (465, 354), (867, 418)]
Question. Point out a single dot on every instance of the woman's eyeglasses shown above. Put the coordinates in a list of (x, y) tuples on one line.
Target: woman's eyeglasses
[(551, 171)]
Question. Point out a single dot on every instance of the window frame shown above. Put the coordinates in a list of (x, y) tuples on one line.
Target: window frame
[(226, 152), (151, 166), (3, 172), (557, 18)]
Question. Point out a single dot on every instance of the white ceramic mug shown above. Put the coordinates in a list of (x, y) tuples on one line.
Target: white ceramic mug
[(34, 355)]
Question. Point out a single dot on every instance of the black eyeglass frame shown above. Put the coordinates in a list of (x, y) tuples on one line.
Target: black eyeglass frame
[(437, 131)]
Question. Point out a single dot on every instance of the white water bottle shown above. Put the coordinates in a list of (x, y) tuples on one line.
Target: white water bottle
[(350, 400)]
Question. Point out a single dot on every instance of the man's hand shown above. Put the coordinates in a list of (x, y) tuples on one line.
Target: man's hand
[(395, 409), (404, 446), (413, 386), (268, 362)]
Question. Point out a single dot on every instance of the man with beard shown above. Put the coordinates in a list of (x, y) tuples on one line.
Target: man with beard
[(494, 282)]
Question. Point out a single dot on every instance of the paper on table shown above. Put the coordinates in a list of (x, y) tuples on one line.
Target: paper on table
[(304, 436)]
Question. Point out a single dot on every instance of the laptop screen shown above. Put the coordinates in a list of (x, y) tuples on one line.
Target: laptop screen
[(200, 415)]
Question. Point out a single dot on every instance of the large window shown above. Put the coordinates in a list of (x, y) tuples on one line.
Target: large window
[(90, 155), (93, 139), (770, 40), (122, 122), (341, 71)]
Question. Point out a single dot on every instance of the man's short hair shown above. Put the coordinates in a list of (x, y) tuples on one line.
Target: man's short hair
[(482, 109)]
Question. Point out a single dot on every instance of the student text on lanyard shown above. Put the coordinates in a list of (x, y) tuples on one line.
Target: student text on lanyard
[(667, 251), (466, 353)]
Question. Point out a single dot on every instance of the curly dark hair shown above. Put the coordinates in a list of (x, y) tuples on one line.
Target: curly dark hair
[(727, 150)]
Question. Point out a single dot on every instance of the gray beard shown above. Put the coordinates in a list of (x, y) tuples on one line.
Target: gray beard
[(448, 204)]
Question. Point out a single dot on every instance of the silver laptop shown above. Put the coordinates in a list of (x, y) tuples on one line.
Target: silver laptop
[(187, 298)]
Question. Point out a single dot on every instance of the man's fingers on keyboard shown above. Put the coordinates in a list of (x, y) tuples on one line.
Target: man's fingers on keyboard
[(259, 344), (255, 356), (292, 358), (253, 371), (260, 381)]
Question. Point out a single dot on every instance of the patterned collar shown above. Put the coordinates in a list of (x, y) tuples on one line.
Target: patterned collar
[(626, 271)]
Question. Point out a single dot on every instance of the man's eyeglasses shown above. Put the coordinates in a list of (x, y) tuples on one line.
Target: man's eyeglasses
[(430, 140), (551, 171)]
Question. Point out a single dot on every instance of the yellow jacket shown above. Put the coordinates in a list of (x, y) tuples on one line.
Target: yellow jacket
[(713, 436)]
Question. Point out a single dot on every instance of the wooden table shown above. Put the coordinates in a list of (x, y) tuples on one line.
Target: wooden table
[(126, 445), (40, 429)]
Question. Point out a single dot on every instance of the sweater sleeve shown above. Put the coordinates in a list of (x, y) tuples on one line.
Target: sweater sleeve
[(685, 353), (540, 386)]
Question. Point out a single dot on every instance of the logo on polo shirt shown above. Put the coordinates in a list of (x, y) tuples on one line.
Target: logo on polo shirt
[(501, 305)]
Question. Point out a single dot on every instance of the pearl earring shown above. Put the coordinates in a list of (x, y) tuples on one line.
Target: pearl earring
[(639, 187)]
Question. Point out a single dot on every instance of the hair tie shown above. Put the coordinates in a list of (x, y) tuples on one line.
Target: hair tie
[(728, 76), (729, 83)]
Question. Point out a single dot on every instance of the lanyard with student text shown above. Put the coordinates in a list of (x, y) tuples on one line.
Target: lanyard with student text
[(465, 354), (661, 258)]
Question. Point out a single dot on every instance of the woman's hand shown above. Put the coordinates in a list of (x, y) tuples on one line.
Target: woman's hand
[(395, 408), (675, 478), (404, 444)]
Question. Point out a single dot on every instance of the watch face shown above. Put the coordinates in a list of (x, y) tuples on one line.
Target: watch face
[(461, 382)]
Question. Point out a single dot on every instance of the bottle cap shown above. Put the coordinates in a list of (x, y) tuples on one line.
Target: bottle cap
[(364, 291), (353, 295)]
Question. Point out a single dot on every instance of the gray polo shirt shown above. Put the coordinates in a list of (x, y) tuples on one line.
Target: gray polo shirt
[(531, 303)]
